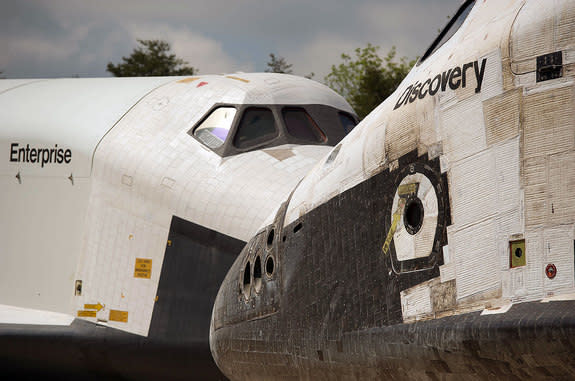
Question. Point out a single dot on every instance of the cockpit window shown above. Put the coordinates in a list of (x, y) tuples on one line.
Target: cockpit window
[(231, 129), (450, 29), (300, 125), (257, 126), (347, 122), (214, 130)]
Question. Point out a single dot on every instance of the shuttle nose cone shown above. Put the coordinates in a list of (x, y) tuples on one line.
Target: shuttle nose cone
[(246, 308)]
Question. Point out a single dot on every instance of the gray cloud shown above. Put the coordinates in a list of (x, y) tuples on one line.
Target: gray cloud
[(66, 38)]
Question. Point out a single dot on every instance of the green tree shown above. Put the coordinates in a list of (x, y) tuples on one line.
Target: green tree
[(152, 58), (278, 65), (368, 80)]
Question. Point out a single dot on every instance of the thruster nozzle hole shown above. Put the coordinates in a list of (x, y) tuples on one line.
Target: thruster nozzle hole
[(270, 266), (247, 280), (297, 228), (271, 236), (258, 274), (413, 215)]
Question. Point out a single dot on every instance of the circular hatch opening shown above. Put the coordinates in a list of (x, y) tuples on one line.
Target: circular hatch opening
[(413, 215)]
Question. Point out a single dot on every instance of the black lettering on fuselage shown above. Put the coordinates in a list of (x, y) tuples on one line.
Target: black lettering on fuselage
[(464, 74), (455, 77), (456, 73), (422, 94), (479, 73), (433, 91), (68, 156), (414, 92), (42, 156), (13, 152), (444, 78), (405, 95)]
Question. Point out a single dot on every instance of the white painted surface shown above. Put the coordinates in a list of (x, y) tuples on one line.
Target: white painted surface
[(148, 169), (73, 113), (497, 310), (416, 301), (410, 246), (7, 84), (133, 167), (26, 316)]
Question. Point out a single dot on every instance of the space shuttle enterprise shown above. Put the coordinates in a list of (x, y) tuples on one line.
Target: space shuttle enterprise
[(126, 200), (436, 240)]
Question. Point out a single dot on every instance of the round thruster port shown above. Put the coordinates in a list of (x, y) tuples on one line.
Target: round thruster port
[(258, 274), (271, 236), (413, 215), (247, 281), (270, 266)]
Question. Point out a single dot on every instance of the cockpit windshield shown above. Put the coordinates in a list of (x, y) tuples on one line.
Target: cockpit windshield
[(230, 129)]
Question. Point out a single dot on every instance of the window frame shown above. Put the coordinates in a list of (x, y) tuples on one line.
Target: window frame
[(325, 117), (349, 116)]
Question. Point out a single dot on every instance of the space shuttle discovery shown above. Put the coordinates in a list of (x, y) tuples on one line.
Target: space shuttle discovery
[(436, 240), (125, 201)]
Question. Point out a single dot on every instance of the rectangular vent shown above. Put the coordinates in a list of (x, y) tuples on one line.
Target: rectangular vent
[(549, 66)]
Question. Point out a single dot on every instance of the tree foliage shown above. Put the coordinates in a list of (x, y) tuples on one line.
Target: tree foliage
[(366, 80), (278, 65), (152, 58)]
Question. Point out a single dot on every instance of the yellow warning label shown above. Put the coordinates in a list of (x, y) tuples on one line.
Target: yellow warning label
[(96, 307), (91, 314), (238, 78), (188, 80), (121, 316), (407, 189), (143, 268), (394, 222)]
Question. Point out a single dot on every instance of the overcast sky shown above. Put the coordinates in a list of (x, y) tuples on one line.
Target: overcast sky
[(64, 38)]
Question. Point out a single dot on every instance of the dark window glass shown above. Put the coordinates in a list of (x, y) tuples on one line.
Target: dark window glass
[(300, 125), (450, 29), (347, 122), (257, 126)]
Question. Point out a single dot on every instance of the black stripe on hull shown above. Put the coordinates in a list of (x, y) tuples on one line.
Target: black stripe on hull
[(532, 341)]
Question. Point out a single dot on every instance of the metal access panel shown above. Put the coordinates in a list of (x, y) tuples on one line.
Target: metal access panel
[(517, 253), (195, 263), (549, 66)]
